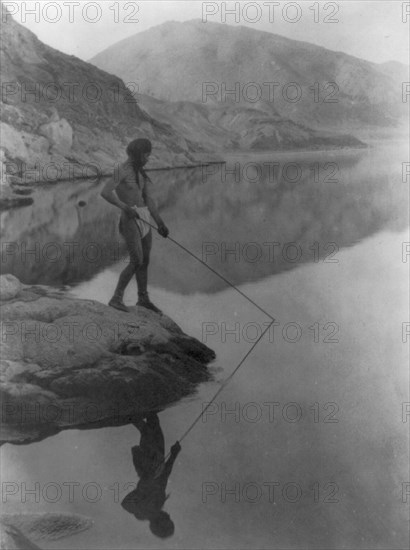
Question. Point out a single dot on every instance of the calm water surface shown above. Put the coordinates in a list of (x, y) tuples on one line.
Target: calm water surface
[(315, 453)]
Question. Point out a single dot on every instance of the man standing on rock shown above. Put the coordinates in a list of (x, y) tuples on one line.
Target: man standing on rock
[(131, 193)]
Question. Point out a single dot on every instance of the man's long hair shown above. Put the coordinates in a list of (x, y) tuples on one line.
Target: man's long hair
[(135, 150)]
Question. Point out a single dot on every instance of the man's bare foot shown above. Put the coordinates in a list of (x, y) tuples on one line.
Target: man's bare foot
[(117, 303), (144, 301)]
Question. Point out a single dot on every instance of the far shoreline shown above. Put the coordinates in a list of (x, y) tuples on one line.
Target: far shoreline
[(20, 199)]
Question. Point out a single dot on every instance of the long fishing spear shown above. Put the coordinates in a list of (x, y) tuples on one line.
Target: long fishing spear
[(210, 268), (225, 383)]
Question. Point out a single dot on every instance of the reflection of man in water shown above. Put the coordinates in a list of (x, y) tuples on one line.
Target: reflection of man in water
[(147, 500)]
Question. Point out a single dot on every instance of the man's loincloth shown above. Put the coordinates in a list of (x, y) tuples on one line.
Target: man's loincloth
[(128, 224), (144, 216)]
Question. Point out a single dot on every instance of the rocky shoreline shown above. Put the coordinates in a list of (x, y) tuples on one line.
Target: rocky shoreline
[(73, 363), (16, 192)]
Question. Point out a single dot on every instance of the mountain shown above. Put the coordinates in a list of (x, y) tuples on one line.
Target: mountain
[(231, 127), (63, 118), (279, 82)]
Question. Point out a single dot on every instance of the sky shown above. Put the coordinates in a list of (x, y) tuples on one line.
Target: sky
[(375, 31)]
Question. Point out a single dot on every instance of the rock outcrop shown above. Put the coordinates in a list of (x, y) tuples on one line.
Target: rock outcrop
[(10, 286), (18, 531), (64, 119), (68, 363), (59, 134)]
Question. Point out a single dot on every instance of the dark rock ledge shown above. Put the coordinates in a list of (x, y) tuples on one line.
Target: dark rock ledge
[(73, 363)]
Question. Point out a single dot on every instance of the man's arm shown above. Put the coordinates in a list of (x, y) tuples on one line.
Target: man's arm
[(152, 207), (108, 193)]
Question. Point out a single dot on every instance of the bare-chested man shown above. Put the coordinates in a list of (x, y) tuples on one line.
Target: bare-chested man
[(130, 192)]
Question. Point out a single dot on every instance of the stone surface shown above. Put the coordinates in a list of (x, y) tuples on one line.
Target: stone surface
[(70, 363), (12, 538), (59, 133), (18, 531), (10, 286)]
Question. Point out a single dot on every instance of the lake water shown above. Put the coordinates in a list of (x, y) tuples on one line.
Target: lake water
[(315, 453)]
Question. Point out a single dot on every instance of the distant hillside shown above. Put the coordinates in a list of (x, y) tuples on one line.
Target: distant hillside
[(232, 127), (172, 61), (58, 109)]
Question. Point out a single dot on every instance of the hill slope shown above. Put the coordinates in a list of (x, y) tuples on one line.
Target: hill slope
[(59, 110), (232, 127), (173, 61)]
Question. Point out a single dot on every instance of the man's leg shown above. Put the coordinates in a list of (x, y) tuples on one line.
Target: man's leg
[(141, 274), (152, 436), (132, 238)]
